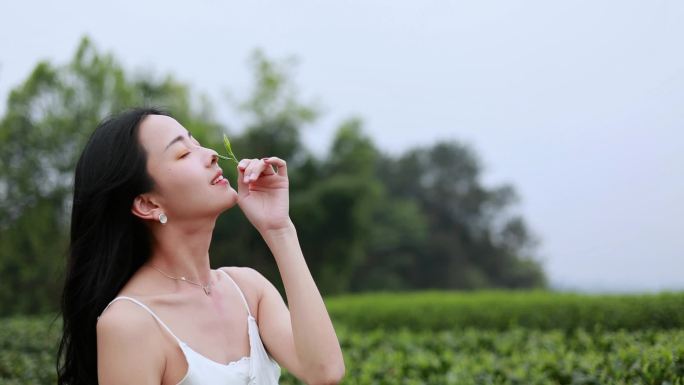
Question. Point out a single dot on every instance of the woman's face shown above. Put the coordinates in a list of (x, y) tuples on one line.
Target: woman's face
[(183, 172)]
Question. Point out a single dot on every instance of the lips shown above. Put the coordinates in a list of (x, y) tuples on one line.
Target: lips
[(217, 177)]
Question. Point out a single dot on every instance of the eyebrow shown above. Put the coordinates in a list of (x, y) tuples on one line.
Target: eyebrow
[(177, 139)]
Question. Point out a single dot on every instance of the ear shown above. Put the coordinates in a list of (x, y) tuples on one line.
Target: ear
[(145, 207)]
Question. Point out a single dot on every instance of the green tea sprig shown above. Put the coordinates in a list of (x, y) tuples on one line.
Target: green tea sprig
[(232, 156)]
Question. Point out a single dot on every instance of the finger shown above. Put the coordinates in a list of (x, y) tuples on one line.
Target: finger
[(243, 186), (241, 168), (268, 169), (255, 169), (280, 164), (261, 169), (251, 171)]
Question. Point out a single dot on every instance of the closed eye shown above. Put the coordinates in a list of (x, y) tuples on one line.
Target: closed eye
[(198, 145)]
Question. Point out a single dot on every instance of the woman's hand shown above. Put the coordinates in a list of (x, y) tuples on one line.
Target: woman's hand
[(264, 195)]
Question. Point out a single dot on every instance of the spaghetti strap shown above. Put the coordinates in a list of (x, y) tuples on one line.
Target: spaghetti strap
[(148, 310), (239, 291)]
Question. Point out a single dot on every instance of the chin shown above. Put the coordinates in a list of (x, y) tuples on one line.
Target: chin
[(232, 198), (222, 200)]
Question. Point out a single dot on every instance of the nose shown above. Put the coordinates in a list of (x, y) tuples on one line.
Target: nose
[(214, 156)]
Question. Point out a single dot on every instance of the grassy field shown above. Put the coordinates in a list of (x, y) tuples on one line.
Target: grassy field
[(459, 338)]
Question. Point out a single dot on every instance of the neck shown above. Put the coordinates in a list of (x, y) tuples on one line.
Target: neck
[(183, 253)]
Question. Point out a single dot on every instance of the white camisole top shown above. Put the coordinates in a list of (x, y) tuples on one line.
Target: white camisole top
[(259, 368)]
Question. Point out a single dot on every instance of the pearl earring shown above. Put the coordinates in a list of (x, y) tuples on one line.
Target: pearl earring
[(162, 218)]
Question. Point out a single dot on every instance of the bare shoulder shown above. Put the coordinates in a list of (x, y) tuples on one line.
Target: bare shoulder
[(127, 336), (252, 283), (247, 278), (121, 310)]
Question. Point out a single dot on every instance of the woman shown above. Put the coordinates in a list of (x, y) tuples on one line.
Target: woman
[(141, 304)]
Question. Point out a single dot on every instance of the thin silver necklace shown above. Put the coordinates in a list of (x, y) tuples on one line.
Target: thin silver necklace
[(207, 287)]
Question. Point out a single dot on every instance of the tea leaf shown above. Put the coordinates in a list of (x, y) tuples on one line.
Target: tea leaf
[(226, 142)]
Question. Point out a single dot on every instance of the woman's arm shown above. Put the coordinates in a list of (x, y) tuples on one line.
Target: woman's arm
[(303, 337)]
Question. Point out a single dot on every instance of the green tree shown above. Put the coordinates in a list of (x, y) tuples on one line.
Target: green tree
[(273, 120), (47, 121), (393, 228), (337, 209), (366, 220), (474, 241)]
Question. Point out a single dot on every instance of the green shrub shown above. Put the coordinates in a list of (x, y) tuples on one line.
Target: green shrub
[(515, 356), (499, 310), (456, 338), (28, 347)]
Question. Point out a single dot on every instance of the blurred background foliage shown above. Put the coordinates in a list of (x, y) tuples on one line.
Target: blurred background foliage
[(387, 239), (366, 220)]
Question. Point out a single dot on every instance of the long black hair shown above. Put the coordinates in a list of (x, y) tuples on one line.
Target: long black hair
[(107, 243)]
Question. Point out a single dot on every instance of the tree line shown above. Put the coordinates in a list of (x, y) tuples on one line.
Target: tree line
[(367, 221)]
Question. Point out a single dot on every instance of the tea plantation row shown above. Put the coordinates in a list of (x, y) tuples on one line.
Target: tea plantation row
[(452, 338), (501, 310)]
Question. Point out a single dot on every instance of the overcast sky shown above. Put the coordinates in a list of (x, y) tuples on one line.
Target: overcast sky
[(577, 104)]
